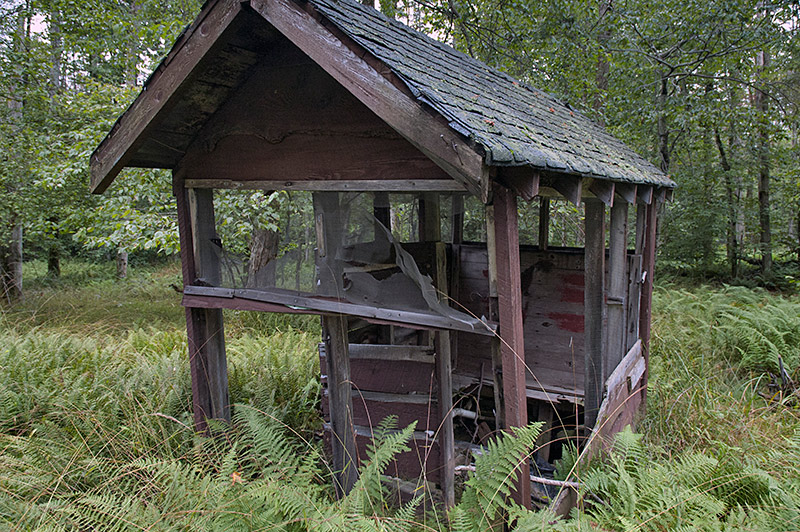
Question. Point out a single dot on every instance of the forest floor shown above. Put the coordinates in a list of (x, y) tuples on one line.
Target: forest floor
[(96, 391)]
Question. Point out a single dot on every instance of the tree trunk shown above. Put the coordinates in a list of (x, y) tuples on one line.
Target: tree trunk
[(122, 264), (761, 105), (54, 261), (663, 130), (11, 266), (733, 198), (263, 251)]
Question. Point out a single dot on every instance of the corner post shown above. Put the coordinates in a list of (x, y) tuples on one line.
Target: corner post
[(204, 327), (512, 348), (593, 302)]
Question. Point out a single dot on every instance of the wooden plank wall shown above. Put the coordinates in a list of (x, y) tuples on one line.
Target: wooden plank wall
[(404, 388)]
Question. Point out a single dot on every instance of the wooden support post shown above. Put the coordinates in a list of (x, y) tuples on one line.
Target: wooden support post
[(544, 223), (593, 303), (512, 348), (429, 222), (617, 286), (334, 333), (457, 219), (648, 266), (492, 313), (381, 209), (204, 327), (444, 377)]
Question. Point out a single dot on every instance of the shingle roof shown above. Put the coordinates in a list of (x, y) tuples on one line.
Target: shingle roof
[(514, 123)]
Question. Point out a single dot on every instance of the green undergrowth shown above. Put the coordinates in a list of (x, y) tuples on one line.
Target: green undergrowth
[(95, 424)]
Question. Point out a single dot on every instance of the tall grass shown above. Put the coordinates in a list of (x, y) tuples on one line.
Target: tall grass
[(95, 424)]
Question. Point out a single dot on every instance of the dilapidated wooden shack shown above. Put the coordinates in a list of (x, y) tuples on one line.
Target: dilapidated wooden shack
[(374, 122)]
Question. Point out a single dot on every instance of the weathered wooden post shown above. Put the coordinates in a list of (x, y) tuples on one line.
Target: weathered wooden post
[(617, 286), (594, 286), (204, 326), (334, 333), (512, 341)]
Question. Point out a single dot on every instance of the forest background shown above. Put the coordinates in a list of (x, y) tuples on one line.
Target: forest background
[(708, 91)]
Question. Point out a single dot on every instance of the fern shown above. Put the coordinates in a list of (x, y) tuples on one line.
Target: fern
[(487, 494)]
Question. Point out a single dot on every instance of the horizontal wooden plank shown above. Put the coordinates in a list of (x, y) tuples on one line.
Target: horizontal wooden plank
[(370, 408), (297, 301), (411, 353), (357, 185)]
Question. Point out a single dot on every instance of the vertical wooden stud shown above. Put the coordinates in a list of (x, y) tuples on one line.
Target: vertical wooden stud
[(492, 312), (457, 219), (512, 349), (204, 327), (381, 209), (334, 332), (648, 265), (544, 223), (429, 221), (594, 268), (444, 377), (617, 286)]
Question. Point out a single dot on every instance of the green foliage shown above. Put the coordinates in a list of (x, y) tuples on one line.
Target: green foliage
[(487, 494)]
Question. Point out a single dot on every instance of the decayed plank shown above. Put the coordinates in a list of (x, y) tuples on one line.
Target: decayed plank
[(622, 398), (512, 349), (410, 353), (593, 310), (328, 306), (406, 116), (617, 285), (152, 104), (334, 185)]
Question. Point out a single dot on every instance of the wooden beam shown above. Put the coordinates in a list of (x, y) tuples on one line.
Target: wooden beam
[(525, 183), (444, 378), (571, 187), (204, 326), (660, 195), (334, 332), (430, 135), (175, 72), (410, 353), (617, 285), (544, 223), (430, 227), (457, 219), (644, 194), (594, 268), (626, 191), (509, 291), (603, 190), (334, 185), (669, 194), (645, 305), (323, 306)]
